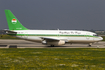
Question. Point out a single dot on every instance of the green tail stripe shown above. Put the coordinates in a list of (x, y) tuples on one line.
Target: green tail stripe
[(12, 21)]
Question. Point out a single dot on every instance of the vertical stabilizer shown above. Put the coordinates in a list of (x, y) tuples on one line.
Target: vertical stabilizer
[(12, 21)]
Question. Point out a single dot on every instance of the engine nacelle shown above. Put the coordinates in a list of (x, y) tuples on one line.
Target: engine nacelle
[(44, 42), (61, 42), (56, 42)]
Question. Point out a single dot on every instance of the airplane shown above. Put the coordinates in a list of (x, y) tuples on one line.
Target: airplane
[(49, 37)]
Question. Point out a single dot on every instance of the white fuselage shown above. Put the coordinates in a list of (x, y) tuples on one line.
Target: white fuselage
[(69, 36)]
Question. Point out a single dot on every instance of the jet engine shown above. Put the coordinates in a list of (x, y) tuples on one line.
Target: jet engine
[(61, 42), (44, 42), (53, 42)]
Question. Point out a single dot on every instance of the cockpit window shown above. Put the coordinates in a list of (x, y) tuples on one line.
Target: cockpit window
[(95, 35)]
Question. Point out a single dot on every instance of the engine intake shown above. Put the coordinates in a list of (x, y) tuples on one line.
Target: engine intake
[(61, 42)]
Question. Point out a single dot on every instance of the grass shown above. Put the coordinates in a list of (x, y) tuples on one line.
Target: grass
[(52, 59)]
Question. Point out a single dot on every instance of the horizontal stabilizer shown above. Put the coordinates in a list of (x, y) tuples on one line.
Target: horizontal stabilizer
[(9, 32)]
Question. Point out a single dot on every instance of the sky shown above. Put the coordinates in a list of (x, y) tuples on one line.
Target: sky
[(56, 14)]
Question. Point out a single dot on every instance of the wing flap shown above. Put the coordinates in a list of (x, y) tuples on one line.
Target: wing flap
[(50, 39), (54, 39)]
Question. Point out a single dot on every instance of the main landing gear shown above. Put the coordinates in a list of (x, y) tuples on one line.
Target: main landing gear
[(52, 45), (90, 44)]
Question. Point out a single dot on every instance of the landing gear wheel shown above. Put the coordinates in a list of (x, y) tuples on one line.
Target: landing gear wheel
[(52, 45), (90, 44)]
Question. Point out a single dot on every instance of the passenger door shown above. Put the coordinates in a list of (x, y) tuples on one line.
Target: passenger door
[(87, 36)]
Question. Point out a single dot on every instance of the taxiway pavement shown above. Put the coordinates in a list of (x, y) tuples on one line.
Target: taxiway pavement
[(5, 43)]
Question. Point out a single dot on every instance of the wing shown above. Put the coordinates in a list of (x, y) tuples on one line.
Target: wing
[(53, 41), (50, 39)]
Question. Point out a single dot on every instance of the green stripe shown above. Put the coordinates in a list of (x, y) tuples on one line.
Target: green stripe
[(52, 35)]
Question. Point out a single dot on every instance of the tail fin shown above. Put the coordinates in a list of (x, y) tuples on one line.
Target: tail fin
[(12, 21)]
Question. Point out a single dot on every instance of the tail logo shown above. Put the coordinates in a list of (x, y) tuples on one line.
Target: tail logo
[(14, 21)]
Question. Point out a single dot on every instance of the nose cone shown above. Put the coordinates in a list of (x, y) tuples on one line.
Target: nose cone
[(100, 38)]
